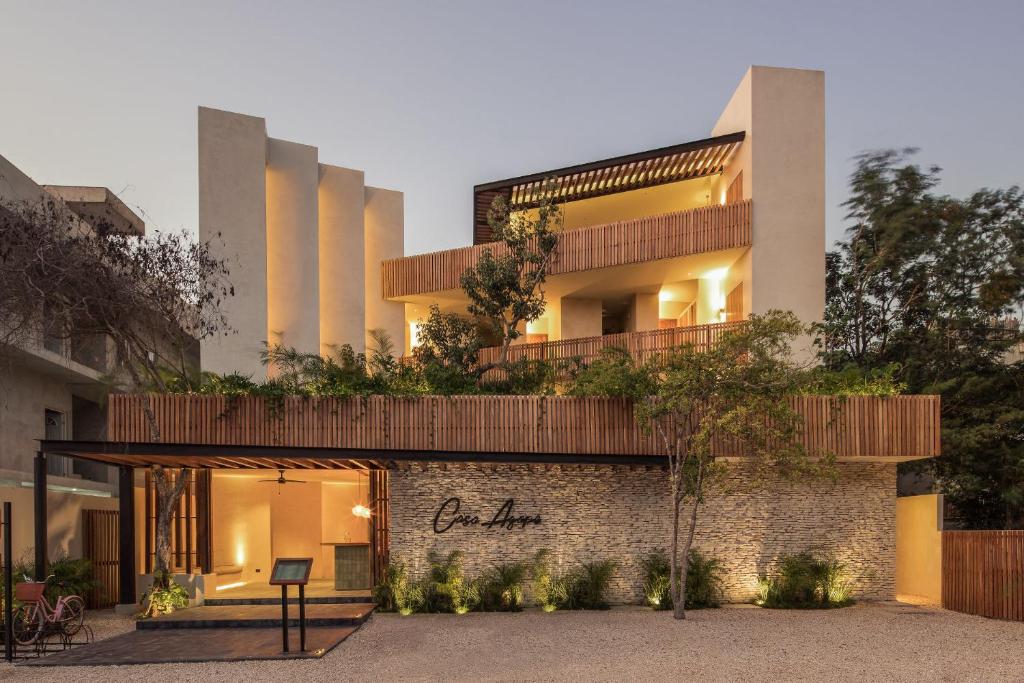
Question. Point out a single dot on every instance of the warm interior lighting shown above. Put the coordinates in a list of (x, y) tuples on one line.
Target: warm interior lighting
[(414, 335), (664, 295), (538, 326), (230, 585), (718, 274), (240, 554), (360, 510)]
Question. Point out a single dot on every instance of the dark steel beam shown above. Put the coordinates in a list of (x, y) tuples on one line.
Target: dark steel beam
[(39, 517), (126, 535), (185, 455)]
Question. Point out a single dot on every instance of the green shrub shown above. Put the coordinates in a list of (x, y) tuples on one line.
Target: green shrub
[(586, 587), (703, 580), (583, 587), (835, 584), (657, 579), (397, 593), (804, 581), (164, 596), (446, 588), (501, 588), (548, 591)]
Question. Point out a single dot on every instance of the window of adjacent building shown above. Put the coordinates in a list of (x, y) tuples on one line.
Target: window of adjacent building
[(54, 422)]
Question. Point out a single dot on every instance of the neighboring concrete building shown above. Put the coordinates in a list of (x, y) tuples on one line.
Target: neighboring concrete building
[(660, 247), (52, 387)]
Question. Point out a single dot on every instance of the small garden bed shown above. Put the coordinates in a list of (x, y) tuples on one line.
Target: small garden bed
[(806, 581), (445, 588), (510, 587)]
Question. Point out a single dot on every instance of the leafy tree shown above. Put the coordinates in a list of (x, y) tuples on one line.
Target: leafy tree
[(690, 397), (929, 285), (505, 289), (152, 297), (505, 286), (448, 352)]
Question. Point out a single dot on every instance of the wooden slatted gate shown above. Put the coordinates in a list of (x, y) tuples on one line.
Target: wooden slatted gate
[(983, 573), (380, 522), (100, 547)]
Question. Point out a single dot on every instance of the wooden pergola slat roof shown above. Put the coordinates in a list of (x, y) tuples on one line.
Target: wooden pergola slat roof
[(219, 456), (670, 164)]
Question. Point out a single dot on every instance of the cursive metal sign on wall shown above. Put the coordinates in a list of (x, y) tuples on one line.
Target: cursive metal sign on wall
[(450, 515)]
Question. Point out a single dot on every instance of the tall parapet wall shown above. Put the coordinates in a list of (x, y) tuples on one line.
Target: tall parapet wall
[(303, 241), (781, 165)]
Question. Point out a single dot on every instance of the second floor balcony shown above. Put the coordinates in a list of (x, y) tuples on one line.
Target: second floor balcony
[(640, 345), (678, 234)]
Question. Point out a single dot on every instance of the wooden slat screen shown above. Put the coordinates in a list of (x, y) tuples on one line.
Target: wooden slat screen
[(983, 573), (380, 522), (100, 547), (860, 427), (705, 229), (482, 233), (734, 304), (641, 345), (735, 191)]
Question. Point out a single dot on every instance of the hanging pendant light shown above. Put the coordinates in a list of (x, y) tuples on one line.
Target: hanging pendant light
[(360, 510)]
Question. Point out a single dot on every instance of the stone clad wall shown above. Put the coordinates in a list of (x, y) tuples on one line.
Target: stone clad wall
[(596, 512)]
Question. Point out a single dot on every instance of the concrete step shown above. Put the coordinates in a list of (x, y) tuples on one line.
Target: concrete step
[(259, 616), (292, 600)]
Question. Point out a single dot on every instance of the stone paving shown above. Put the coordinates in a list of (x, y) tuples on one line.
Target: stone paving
[(189, 645)]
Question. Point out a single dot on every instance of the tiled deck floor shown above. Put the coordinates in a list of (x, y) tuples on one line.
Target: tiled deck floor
[(255, 616), (317, 588), (194, 645)]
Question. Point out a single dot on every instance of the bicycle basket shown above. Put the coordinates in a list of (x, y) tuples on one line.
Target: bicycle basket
[(29, 592)]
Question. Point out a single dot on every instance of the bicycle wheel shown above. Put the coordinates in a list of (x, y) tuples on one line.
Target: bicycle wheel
[(27, 623), (72, 616)]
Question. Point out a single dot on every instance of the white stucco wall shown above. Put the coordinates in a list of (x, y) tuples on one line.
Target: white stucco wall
[(342, 243), (384, 217), (293, 282), (232, 216), (783, 164)]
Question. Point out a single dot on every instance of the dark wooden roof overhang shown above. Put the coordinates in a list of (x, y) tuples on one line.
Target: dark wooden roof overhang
[(144, 454), (608, 176)]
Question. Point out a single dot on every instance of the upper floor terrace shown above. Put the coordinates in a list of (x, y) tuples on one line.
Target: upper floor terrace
[(648, 241), (652, 205)]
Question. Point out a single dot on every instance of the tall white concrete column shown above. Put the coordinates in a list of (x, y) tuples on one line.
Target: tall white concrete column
[(232, 217), (342, 266), (293, 283), (580, 318), (643, 313), (384, 218)]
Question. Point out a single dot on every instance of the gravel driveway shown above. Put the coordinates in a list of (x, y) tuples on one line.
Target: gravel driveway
[(888, 641)]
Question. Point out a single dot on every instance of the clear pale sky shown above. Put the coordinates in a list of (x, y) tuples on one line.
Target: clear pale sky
[(433, 97)]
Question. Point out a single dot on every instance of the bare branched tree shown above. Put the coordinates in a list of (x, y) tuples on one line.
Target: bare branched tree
[(149, 298)]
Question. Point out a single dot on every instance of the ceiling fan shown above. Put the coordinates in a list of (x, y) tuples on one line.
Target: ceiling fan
[(281, 479)]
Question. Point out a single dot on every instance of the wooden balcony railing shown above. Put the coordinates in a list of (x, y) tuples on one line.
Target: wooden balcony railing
[(641, 345), (695, 231), (855, 428)]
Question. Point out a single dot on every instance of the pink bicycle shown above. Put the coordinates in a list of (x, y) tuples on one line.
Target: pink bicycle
[(35, 617)]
